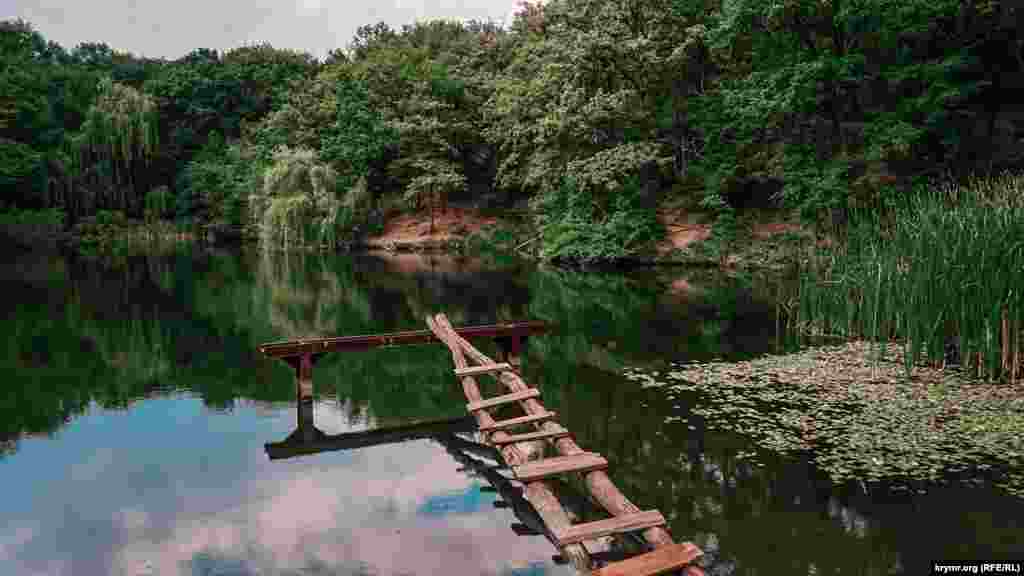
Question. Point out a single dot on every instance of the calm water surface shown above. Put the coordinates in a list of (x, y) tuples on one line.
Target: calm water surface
[(135, 413)]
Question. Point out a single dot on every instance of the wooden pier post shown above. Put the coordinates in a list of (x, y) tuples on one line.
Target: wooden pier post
[(510, 349)]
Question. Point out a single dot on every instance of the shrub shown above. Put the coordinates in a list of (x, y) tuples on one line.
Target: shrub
[(574, 227)]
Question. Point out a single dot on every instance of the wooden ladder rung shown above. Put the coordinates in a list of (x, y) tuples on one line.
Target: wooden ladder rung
[(659, 561), (615, 525), (512, 422), (512, 439), (538, 469), (484, 369), (506, 399)]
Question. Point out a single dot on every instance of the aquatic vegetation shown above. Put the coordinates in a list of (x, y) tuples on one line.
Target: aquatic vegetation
[(944, 276), (858, 412)]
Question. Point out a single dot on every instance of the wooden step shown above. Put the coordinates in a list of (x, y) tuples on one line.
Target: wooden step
[(664, 559), (506, 399), (513, 422), (484, 369), (538, 469), (512, 439), (616, 525)]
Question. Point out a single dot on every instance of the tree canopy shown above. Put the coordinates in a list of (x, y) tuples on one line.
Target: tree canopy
[(587, 111)]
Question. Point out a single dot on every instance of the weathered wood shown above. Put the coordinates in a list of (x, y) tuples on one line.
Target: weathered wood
[(597, 482), (351, 343), (659, 561), (485, 369), (513, 422), (539, 496), (511, 439), (559, 465), (499, 400), (608, 526)]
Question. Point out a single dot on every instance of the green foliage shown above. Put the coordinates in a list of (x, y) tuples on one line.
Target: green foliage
[(18, 162), (117, 140), (110, 217), (495, 241), (845, 103), (576, 228), (298, 204), (938, 272), (215, 185), (159, 203), (790, 65), (121, 127), (51, 217), (358, 136)]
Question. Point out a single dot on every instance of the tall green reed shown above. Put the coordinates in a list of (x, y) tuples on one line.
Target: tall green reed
[(947, 265)]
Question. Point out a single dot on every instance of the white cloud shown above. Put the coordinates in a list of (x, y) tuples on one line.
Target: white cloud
[(344, 516)]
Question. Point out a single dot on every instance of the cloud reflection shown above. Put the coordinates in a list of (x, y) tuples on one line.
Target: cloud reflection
[(394, 509)]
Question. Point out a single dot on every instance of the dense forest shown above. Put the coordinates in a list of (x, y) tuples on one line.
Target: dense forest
[(590, 113)]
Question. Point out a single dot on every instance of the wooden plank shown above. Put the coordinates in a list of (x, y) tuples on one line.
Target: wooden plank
[(551, 466), (506, 399), (538, 493), (351, 343), (485, 369), (512, 439), (513, 422), (542, 501), (614, 525), (659, 561)]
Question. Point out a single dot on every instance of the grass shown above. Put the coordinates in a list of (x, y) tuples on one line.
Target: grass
[(944, 266)]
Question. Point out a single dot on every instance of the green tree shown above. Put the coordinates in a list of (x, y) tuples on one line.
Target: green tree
[(114, 146)]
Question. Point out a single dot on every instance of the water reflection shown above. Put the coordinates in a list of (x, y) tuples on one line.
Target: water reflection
[(136, 413), (127, 497), (749, 510)]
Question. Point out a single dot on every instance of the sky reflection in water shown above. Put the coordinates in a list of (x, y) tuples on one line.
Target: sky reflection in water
[(170, 487)]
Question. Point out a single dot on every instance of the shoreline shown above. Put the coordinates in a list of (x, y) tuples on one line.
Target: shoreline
[(769, 246)]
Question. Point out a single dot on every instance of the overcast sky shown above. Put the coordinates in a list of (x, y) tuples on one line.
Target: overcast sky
[(172, 28)]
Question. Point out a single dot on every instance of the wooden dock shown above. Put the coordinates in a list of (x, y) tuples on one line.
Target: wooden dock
[(537, 504), (624, 516)]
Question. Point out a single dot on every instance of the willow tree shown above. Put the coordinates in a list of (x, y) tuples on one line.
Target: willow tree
[(298, 203), (115, 144)]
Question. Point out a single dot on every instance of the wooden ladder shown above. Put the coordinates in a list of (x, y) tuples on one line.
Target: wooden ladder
[(663, 559)]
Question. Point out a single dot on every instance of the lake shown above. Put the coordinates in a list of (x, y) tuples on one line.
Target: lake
[(136, 410)]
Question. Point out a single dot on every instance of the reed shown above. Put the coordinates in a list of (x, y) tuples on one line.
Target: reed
[(943, 273)]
